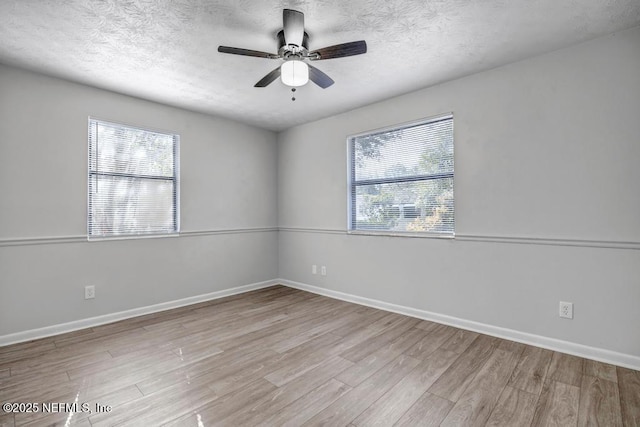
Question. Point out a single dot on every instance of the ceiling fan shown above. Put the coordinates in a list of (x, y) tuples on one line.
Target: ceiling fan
[(293, 48)]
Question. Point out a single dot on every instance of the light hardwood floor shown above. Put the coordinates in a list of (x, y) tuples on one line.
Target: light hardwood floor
[(280, 356)]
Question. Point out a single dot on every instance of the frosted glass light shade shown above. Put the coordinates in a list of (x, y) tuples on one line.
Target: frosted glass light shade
[(294, 73)]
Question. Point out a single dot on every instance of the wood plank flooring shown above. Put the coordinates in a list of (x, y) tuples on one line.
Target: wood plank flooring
[(280, 356)]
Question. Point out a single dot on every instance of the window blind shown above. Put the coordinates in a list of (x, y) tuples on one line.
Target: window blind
[(133, 181), (402, 178)]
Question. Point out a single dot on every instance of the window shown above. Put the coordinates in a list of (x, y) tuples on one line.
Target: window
[(133, 181), (401, 179)]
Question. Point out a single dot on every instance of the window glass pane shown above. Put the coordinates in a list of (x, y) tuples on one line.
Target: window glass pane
[(402, 179), (422, 149), (133, 181), (131, 206), (415, 206), (131, 151)]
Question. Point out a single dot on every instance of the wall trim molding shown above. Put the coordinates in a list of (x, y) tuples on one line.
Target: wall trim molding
[(227, 231), (607, 244), (594, 353), (24, 241), (313, 230), (521, 240), (75, 325)]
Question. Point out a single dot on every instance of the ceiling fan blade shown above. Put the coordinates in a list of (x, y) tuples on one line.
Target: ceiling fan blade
[(293, 26), (339, 50), (245, 52), (319, 78), (269, 78)]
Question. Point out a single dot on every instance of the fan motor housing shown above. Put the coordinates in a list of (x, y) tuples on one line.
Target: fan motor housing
[(285, 50)]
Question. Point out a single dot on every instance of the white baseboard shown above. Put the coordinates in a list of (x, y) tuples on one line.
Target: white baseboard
[(594, 353), (127, 314)]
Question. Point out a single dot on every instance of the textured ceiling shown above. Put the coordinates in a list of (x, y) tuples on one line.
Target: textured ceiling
[(166, 50)]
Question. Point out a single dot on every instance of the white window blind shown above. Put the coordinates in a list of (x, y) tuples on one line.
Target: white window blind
[(401, 179), (133, 181)]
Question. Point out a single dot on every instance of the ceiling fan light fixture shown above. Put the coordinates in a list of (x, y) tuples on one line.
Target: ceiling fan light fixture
[(294, 73), (293, 48)]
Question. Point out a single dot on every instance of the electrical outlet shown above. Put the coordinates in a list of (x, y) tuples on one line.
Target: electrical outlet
[(323, 270), (566, 310), (89, 292), (314, 269)]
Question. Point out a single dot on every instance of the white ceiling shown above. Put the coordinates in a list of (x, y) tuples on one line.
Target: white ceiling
[(166, 50)]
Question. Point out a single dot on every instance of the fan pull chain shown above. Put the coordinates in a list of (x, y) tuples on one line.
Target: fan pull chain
[(293, 93)]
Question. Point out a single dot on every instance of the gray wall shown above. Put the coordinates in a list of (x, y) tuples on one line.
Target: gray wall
[(546, 148), (546, 195), (228, 182)]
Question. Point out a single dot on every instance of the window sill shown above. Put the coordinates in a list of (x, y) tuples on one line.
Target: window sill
[(131, 237), (402, 234)]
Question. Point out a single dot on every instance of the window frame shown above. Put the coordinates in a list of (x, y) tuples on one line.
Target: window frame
[(353, 183), (175, 179)]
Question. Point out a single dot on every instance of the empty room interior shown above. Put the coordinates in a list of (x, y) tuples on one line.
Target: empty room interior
[(358, 213)]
